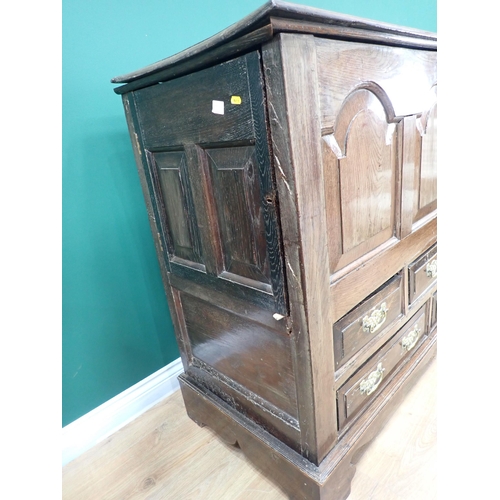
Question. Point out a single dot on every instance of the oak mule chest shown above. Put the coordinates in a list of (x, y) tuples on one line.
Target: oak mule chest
[(289, 170)]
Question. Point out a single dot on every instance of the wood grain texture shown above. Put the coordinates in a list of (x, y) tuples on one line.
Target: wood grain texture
[(351, 396), (290, 73), (350, 333), (287, 186), (351, 289), (400, 76), (302, 103), (238, 200), (361, 179), (181, 224), (164, 455), (419, 279), (247, 352), (180, 111)]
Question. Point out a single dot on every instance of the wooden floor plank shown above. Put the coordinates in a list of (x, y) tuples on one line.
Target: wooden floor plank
[(164, 455)]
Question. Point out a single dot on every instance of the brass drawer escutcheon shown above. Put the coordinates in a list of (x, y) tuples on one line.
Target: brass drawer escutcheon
[(409, 341), (369, 385), (432, 268), (376, 319)]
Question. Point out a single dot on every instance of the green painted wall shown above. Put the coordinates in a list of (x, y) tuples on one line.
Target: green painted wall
[(116, 325)]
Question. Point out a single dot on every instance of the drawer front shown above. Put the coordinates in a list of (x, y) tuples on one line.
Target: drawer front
[(422, 274), (367, 320), (362, 387)]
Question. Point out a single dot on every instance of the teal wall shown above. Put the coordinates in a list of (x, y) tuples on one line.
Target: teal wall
[(116, 324)]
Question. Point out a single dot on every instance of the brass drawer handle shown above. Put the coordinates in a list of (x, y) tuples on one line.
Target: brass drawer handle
[(409, 341), (373, 381), (432, 268), (376, 319)]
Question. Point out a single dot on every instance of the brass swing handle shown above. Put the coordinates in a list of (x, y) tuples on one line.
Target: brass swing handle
[(432, 268), (376, 319), (369, 385), (409, 341)]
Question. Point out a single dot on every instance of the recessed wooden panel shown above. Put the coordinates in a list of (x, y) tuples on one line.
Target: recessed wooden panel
[(361, 170), (403, 75), (178, 205), (420, 166), (258, 358), (197, 107), (238, 198), (428, 169)]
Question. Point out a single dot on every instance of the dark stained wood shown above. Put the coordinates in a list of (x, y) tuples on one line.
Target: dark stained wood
[(370, 318), (365, 384), (247, 352), (268, 184), (272, 419), (159, 73), (299, 478), (352, 288), (351, 366), (290, 65), (292, 197), (237, 198), (345, 66), (199, 181), (180, 111), (348, 33), (181, 224)]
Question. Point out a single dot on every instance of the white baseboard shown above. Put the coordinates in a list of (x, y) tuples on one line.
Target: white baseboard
[(98, 424)]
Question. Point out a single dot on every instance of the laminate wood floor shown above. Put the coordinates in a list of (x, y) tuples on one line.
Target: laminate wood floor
[(164, 455)]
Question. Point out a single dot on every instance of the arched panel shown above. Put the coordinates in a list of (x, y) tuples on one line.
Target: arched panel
[(420, 166), (360, 159), (428, 165)]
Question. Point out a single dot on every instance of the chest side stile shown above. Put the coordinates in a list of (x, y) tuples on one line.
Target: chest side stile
[(290, 74)]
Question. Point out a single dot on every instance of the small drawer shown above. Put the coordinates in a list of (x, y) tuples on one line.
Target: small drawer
[(422, 273), (367, 320), (367, 382)]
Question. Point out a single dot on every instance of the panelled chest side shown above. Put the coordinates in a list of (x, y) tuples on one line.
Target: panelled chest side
[(289, 170)]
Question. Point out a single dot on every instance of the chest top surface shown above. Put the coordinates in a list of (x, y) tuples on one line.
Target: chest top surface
[(274, 17)]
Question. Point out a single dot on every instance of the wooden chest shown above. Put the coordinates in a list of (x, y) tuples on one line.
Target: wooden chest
[(289, 170)]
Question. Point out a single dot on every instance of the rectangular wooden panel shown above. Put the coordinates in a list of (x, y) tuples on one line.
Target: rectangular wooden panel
[(363, 386), (197, 108), (177, 199), (369, 319), (250, 353), (238, 200), (352, 288), (419, 201), (401, 77), (428, 168)]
